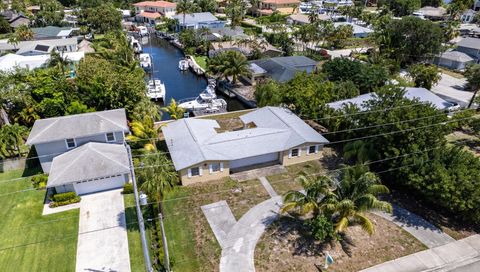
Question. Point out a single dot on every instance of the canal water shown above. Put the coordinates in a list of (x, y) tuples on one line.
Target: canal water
[(178, 84)]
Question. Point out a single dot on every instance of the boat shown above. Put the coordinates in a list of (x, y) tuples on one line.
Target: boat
[(145, 61), (206, 102), (156, 90), (142, 31), (183, 65), (135, 44)]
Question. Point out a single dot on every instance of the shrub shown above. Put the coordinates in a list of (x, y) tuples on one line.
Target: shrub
[(322, 228), (39, 181), (76, 199), (127, 188), (64, 196)]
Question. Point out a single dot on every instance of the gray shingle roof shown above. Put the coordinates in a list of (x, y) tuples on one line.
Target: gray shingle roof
[(89, 161), (192, 141), (422, 94), (78, 125), (283, 69), (469, 43), (456, 56)]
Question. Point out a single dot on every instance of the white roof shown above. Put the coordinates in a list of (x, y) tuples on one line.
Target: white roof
[(357, 29), (30, 45), (89, 161), (422, 94), (11, 61), (456, 56), (78, 125), (192, 141)]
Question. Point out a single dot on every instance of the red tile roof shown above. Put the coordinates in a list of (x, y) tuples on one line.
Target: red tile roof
[(151, 15), (158, 4)]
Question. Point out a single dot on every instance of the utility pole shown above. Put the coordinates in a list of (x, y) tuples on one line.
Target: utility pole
[(141, 223), (165, 246)]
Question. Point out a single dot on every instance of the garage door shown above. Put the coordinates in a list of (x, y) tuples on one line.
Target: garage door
[(254, 160), (91, 186)]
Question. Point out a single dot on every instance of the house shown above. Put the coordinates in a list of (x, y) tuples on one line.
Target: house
[(219, 47), (34, 9), (271, 135), (222, 33), (281, 69), (454, 60), (431, 13), (10, 62), (467, 16), (15, 19), (303, 19), (470, 46), (151, 10), (422, 94), (40, 47), (54, 136), (268, 7), (198, 20), (86, 47), (53, 32), (358, 31), (476, 5)]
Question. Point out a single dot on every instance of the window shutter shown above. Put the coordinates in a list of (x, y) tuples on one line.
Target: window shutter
[(300, 151), (316, 149), (189, 172), (289, 153), (200, 168), (221, 167), (210, 168)]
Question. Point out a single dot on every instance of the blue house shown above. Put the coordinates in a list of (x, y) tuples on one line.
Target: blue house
[(198, 20)]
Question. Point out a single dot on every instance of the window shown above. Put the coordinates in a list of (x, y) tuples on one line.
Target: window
[(312, 149), (70, 143), (110, 137), (216, 167), (294, 152), (195, 171)]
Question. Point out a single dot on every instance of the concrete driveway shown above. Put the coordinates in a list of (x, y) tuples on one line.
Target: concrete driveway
[(452, 89), (102, 235)]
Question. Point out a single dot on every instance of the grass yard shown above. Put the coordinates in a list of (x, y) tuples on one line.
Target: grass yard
[(286, 247), (202, 61), (192, 244), (28, 240), (134, 242)]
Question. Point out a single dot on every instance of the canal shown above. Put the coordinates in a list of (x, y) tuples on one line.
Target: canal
[(179, 85)]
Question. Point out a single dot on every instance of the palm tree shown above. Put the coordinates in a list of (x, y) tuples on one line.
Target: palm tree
[(184, 7), (355, 195), (145, 132), (358, 151), (57, 60), (174, 110), (236, 65), (24, 33), (235, 11), (316, 189), (27, 116), (157, 176), (11, 139)]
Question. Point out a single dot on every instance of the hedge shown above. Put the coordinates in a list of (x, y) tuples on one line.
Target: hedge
[(127, 188), (63, 203), (39, 181), (64, 196)]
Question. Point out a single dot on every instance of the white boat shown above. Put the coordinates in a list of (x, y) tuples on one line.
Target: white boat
[(156, 89), (145, 61), (207, 102), (142, 31), (183, 65), (135, 44)]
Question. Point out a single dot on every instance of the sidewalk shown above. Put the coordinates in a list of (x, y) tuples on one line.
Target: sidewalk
[(461, 255)]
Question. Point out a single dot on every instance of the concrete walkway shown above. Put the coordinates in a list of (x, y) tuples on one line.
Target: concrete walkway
[(221, 220), (462, 255), (249, 174), (102, 234), (238, 255), (268, 187), (421, 229)]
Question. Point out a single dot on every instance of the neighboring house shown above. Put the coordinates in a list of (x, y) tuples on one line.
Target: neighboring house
[(468, 16), (334, 4), (476, 6), (431, 13), (454, 60), (268, 7), (15, 19), (222, 33), (422, 94), (271, 135), (149, 11), (219, 47), (34, 9), (40, 47), (302, 19), (358, 31), (53, 32), (86, 47), (281, 69), (54, 136), (198, 20), (470, 46), (10, 62)]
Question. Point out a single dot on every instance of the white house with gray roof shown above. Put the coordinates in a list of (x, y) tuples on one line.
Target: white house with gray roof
[(470, 46), (271, 135), (83, 152)]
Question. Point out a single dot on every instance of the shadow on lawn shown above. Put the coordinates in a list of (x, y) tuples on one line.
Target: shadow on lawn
[(299, 236), (132, 220)]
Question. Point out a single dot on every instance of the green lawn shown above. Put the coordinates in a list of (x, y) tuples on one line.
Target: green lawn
[(28, 240), (134, 242), (202, 61)]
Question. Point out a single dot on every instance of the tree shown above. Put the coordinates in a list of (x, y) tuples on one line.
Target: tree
[(174, 110), (431, 3), (77, 107), (229, 64), (12, 137), (456, 7), (102, 18), (410, 40), (424, 75), (51, 13), (4, 26), (157, 176), (338, 37), (206, 5), (22, 33), (472, 74), (58, 61), (402, 8), (186, 6), (359, 151), (356, 194), (144, 132), (235, 11)]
